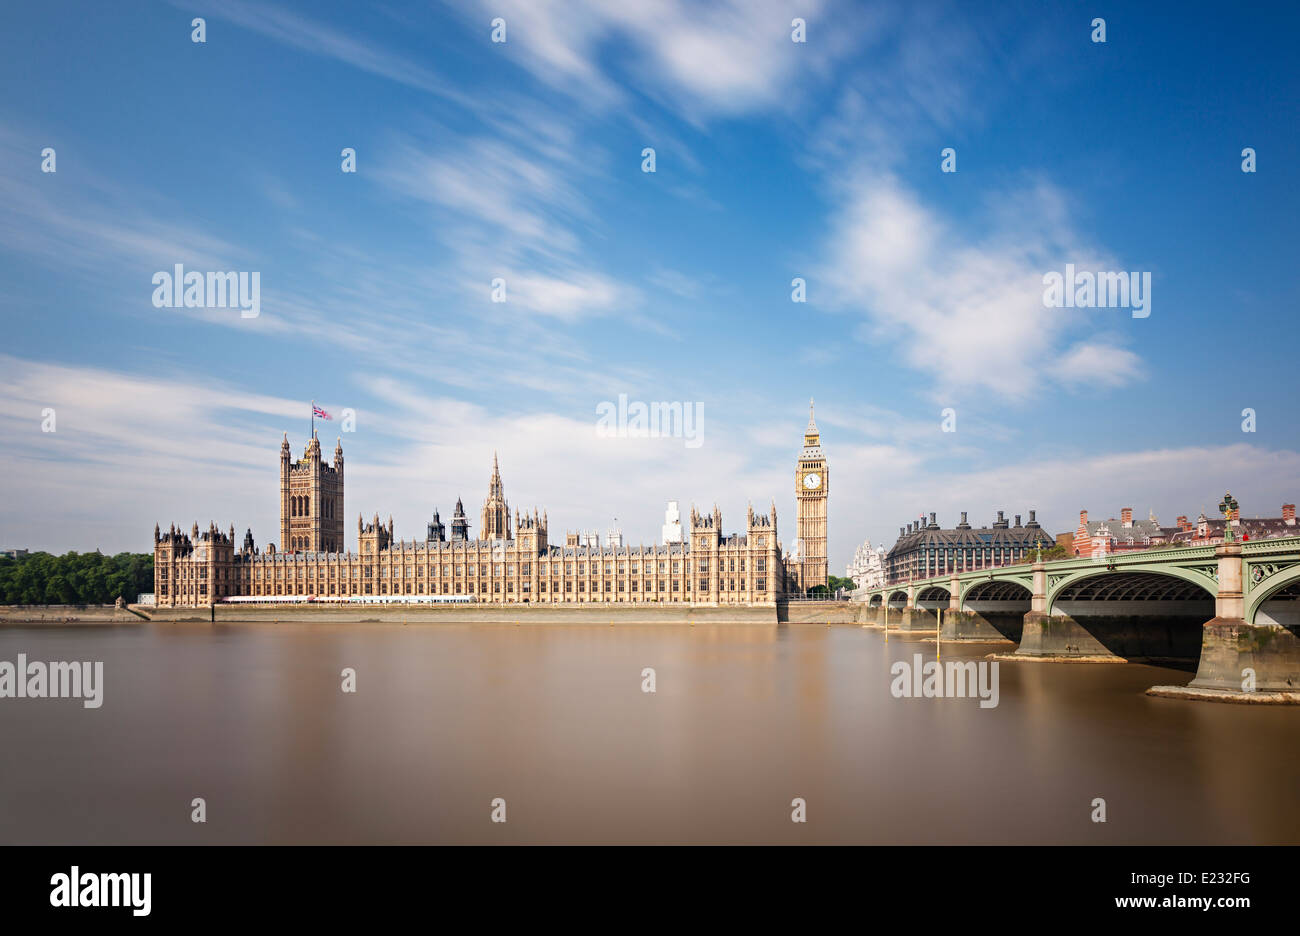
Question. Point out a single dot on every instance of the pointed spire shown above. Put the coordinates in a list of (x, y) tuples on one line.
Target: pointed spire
[(811, 437)]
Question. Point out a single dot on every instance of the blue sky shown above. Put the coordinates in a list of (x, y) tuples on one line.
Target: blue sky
[(522, 160)]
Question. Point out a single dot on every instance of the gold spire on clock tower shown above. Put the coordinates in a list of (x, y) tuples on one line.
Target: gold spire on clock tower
[(811, 483)]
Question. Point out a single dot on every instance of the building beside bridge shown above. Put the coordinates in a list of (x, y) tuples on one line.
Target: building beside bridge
[(1095, 538), (925, 549)]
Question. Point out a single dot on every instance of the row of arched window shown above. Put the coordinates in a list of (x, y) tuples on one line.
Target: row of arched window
[(300, 506)]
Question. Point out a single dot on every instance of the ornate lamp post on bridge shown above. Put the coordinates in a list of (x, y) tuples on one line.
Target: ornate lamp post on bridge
[(1228, 507)]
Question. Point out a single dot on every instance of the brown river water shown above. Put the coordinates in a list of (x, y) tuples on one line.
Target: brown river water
[(554, 721)]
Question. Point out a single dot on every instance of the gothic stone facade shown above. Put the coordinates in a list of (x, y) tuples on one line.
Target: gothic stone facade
[(515, 563), (311, 500)]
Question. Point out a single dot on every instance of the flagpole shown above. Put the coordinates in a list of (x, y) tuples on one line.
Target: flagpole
[(313, 420)]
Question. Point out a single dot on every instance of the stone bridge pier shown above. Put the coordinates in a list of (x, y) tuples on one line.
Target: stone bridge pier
[(989, 612), (921, 612), (1240, 658)]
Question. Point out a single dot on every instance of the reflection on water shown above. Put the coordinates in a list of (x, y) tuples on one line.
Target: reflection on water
[(553, 719)]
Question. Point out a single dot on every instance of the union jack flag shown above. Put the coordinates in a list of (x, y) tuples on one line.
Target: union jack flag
[(319, 413)]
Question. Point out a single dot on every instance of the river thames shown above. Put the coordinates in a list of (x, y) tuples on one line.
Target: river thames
[(554, 721)]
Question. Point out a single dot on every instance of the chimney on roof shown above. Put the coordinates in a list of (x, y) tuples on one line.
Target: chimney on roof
[(1083, 518), (1181, 523), (1126, 516), (1033, 521), (1288, 514), (1017, 519), (932, 520)]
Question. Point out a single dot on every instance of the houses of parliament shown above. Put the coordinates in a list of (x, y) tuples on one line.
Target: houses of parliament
[(511, 559)]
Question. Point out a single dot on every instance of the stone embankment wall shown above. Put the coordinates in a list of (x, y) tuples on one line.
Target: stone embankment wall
[(67, 614), (819, 612)]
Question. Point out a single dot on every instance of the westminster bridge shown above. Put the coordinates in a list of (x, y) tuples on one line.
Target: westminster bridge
[(1233, 610)]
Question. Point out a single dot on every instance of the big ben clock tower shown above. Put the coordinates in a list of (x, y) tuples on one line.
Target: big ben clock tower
[(811, 484)]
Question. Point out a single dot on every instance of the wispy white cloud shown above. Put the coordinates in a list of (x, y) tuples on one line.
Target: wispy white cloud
[(316, 38), (965, 309), (77, 221), (701, 61), (1098, 364), (514, 211)]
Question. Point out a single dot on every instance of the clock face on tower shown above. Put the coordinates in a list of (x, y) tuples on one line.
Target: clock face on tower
[(812, 481)]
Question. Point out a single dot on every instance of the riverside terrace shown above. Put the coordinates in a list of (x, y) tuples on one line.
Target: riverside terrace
[(1233, 609)]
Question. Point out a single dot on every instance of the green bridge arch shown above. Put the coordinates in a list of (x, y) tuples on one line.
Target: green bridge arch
[(1025, 581), (1266, 589), (1073, 577)]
